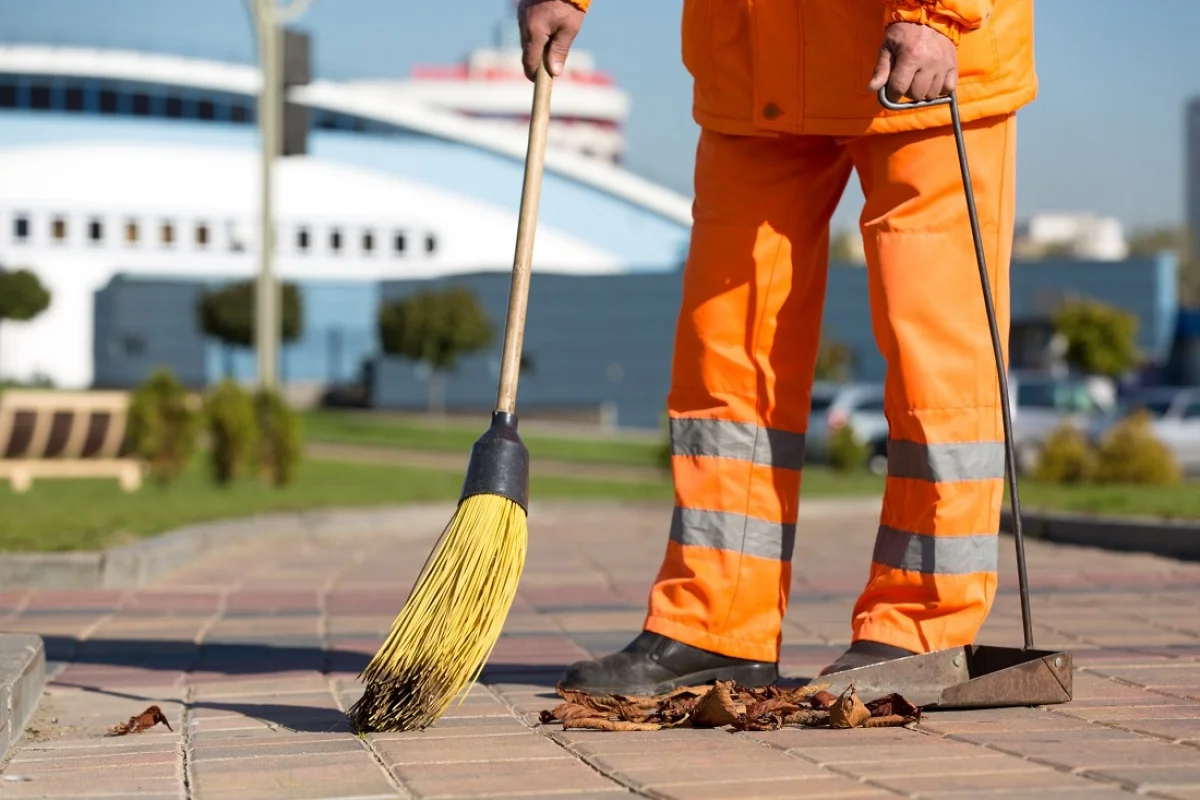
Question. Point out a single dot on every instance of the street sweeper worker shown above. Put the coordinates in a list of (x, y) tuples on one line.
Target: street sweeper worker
[(785, 93)]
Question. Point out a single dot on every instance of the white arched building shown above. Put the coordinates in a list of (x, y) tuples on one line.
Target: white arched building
[(115, 163)]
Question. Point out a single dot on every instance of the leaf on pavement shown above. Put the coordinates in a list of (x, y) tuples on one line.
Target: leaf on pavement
[(144, 721), (848, 711), (894, 705), (717, 708)]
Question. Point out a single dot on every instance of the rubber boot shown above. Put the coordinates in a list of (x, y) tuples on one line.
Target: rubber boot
[(653, 664), (864, 653)]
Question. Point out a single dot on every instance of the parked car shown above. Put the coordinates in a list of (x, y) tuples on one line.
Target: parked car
[(1042, 402), (1174, 418), (859, 405)]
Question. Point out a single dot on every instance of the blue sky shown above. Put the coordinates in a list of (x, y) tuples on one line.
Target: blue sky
[(1106, 134)]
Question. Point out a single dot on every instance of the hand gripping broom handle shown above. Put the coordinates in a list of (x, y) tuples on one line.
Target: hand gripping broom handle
[(1009, 456), (518, 298)]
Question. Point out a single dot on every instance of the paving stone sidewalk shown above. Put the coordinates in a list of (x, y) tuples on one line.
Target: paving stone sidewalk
[(253, 653)]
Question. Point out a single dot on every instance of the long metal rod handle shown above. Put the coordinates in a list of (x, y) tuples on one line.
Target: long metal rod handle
[(951, 100), (531, 192)]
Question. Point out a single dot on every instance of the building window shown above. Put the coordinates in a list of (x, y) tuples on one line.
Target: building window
[(430, 243), (335, 240), (108, 101), (73, 98), (202, 235), (174, 107), (95, 230), (58, 229), (302, 239), (131, 231), (167, 234), (141, 105), (21, 228), (236, 235), (39, 97), (368, 241), (400, 243), (206, 109)]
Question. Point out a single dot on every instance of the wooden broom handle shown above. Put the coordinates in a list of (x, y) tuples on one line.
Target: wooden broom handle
[(518, 297)]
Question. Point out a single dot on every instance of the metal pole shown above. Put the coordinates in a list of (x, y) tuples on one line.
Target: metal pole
[(268, 295), (266, 324)]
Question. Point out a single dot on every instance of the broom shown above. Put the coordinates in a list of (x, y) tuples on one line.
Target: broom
[(450, 622)]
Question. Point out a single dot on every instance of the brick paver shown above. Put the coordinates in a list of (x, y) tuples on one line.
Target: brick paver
[(253, 652)]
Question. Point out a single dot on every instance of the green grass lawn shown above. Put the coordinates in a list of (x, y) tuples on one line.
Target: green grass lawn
[(358, 428), (1168, 502)]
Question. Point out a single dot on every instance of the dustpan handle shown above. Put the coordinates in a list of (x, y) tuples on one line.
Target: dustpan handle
[(531, 191), (951, 100)]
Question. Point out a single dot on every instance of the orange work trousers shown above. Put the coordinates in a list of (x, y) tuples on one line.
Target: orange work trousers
[(746, 345)]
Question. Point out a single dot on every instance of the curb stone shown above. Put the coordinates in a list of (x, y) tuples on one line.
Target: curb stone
[(1180, 540), (22, 679)]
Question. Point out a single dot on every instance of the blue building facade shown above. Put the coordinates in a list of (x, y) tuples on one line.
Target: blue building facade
[(591, 341)]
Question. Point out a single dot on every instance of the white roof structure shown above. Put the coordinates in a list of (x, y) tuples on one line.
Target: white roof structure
[(370, 100)]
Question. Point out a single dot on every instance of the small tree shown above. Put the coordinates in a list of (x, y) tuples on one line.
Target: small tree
[(22, 296), (232, 431), (227, 314), (1101, 339), (435, 328), (279, 438), (162, 426)]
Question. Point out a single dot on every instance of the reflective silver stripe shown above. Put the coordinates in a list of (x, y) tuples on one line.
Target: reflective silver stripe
[(936, 555), (738, 533), (740, 440), (942, 463)]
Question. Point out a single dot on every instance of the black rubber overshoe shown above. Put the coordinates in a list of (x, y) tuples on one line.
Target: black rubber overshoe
[(653, 664), (864, 653)]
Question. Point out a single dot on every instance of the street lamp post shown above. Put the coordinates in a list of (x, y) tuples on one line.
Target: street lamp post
[(269, 19)]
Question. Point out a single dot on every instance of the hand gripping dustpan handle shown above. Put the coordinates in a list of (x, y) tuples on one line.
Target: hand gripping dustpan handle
[(531, 191), (951, 100)]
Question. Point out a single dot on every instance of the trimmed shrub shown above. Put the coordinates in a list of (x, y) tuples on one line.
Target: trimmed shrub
[(162, 426), (846, 452), (1131, 453), (232, 431), (1066, 457), (278, 437)]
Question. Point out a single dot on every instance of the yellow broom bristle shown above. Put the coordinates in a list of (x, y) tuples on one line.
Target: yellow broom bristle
[(444, 634)]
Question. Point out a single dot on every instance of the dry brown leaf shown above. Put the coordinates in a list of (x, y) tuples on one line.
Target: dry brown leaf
[(822, 700), (144, 721), (848, 711), (893, 705), (890, 721), (716, 709), (595, 723), (807, 717), (778, 705)]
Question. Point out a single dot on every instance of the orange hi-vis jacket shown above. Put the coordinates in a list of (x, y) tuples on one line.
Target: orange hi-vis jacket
[(802, 66)]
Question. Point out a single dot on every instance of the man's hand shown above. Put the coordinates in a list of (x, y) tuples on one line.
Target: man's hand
[(553, 22), (915, 61)]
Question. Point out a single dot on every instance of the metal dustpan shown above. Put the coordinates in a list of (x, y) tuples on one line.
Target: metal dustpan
[(975, 676)]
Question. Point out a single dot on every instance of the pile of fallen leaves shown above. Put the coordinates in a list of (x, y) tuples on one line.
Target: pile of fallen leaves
[(729, 704)]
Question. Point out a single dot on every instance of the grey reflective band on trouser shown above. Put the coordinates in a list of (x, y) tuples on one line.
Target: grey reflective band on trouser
[(743, 441), (937, 555), (737, 533), (944, 463)]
